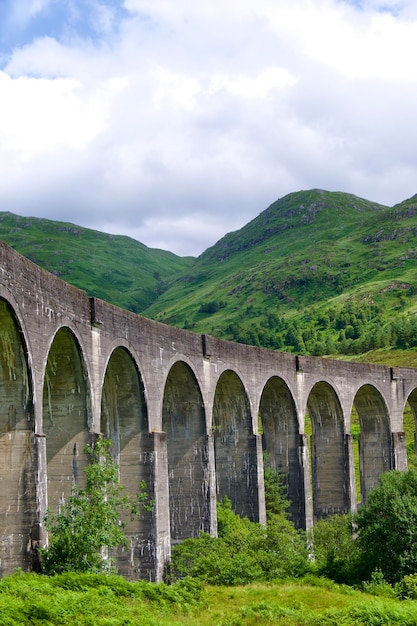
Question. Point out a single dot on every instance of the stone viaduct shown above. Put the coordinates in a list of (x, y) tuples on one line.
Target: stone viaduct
[(193, 416)]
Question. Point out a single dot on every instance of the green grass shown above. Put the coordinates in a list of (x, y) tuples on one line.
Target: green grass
[(117, 269), (112, 601)]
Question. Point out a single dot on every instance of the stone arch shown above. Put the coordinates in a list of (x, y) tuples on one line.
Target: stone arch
[(124, 420), (281, 442), (17, 462), (375, 444), (66, 415), (410, 427), (183, 420), (329, 454), (235, 446)]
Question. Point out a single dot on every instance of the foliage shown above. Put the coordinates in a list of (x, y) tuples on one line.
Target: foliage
[(276, 501), (378, 586), (243, 552), (88, 522), (336, 551), (407, 587), (387, 527), (108, 600)]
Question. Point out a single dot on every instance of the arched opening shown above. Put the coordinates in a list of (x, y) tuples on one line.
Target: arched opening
[(330, 468), (66, 412), (235, 447), (375, 447), (281, 442), (124, 420), (410, 427), (183, 420), (17, 468)]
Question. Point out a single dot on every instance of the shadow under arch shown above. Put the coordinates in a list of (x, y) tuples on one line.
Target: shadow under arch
[(329, 454), (17, 462), (183, 421), (410, 427), (235, 446), (375, 442), (281, 443), (124, 420), (66, 415)]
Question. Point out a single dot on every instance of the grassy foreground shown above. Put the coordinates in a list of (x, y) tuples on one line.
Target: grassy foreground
[(112, 601)]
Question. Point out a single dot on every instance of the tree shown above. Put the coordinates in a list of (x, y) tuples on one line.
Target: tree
[(88, 522), (387, 527), (336, 551)]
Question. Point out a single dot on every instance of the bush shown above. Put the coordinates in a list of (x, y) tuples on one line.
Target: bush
[(387, 527), (243, 552), (88, 522), (336, 551)]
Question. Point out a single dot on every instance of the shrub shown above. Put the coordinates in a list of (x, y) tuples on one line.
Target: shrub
[(387, 527), (88, 522), (336, 551), (243, 552)]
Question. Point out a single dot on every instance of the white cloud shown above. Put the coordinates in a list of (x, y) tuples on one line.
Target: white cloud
[(183, 121)]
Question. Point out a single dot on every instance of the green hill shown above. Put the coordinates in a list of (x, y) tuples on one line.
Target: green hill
[(318, 272), (112, 267)]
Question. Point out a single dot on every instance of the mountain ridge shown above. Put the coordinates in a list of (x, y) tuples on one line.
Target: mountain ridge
[(316, 272)]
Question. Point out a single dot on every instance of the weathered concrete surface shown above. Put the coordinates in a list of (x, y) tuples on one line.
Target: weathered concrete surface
[(190, 415)]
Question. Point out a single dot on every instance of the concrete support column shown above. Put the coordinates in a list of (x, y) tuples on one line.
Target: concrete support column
[(261, 483), (38, 535), (306, 482), (399, 451), (211, 471), (350, 473), (161, 525), (256, 482)]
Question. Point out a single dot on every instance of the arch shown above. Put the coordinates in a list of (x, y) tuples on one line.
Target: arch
[(281, 442), (329, 458), (17, 462), (66, 415), (410, 428), (375, 445), (235, 446), (183, 420), (124, 420)]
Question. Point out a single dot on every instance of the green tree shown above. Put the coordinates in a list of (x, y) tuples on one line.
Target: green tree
[(88, 522), (336, 551), (387, 527), (243, 552)]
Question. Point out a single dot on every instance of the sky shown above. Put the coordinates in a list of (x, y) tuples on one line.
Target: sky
[(177, 121)]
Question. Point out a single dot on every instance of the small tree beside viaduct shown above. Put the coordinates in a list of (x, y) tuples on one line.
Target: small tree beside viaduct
[(193, 416)]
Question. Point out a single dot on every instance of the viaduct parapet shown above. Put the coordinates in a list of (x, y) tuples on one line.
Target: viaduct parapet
[(195, 417)]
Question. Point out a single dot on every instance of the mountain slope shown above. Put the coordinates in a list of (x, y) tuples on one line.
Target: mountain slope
[(318, 272), (112, 267)]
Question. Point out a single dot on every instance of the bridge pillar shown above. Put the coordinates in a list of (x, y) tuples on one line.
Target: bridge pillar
[(399, 451), (307, 514), (350, 473), (259, 469), (161, 523), (211, 482)]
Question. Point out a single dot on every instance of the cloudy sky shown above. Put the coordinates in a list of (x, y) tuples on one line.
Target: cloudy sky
[(176, 121)]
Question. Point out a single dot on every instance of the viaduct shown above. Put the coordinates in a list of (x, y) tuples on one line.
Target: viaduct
[(193, 416)]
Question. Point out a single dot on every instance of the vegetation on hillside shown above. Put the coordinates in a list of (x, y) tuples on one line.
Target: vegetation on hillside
[(318, 272), (117, 269)]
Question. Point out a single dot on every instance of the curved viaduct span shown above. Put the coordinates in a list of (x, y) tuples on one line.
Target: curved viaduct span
[(193, 416)]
